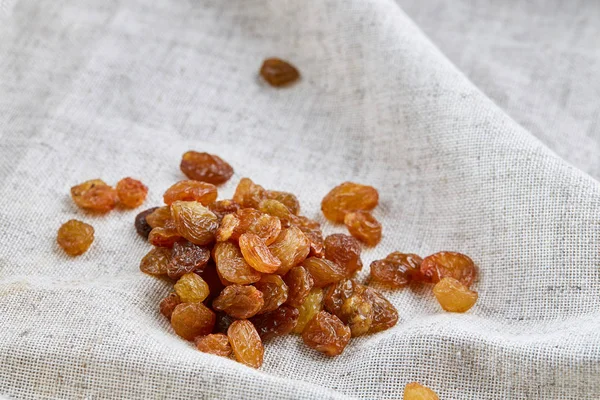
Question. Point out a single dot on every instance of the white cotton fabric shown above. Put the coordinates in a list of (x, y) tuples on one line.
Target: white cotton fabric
[(481, 156)]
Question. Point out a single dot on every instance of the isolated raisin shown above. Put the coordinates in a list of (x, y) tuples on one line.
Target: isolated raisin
[(322, 271), (214, 343), (416, 391), (131, 192), (287, 199), (201, 192), (363, 226), (447, 264), (385, 314), (291, 248), (231, 265), (95, 195), (278, 322), (257, 254), (192, 319), (168, 304), (156, 261), (191, 288), (396, 270), (160, 217), (312, 230), (163, 237), (274, 290), (142, 226), (345, 251), (75, 237), (246, 344), (311, 307), (348, 196), (278, 72), (194, 222), (248, 194), (223, 321), (187, 257), (239, 301), (347, 301), (223, 207), (327, 334), (299, 283), (453, 296), (212, 279), (205, 167)]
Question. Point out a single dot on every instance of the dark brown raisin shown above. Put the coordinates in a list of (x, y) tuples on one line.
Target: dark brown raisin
[(142, 226), (187, 257)]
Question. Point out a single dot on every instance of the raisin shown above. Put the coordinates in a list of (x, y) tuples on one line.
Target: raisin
[(327, 334), (257, 254), (194, 222), (265, 226), (311, 307), (142, 226), (278, 72), (205, 167), (212, 279), (363, 226), (416, 391), (348, 196), (248, 194), (239, 301), (192, 319), (287, 199), (163, 237), (156, 261), (278, 322), (299, 283), (214, 343), (322, 271), (246, 344), (345, 251), (274, 290), (223, 207), (160, 217), (453, 296), (131, 192), (226, 228), (396, 270), (384, 313), (95, 195), (187, 257), (291, 248), (347, 301), (201, 192), (312, 230), (223, 322), (191, 288), (231, 265), (168, 304), (75, 237), (447, 264), (277, 209)]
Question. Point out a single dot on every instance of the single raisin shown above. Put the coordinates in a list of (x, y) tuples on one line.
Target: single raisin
[(299, 283), (248, 194), (168, 304), (278, 322), (396, 270), (311, 307), (246, 344), (274, 290), (345, 251), (347, 301), (227, 226), (453, 296), (156, 261), (447, 264), (163, 237), (223, 207), (192, 319), (205, 167), (231, 265), (385, 314), (214, 343), (287, 199), (348, 196), (291, 248), (142, 226), (416, 391), (239, 301), (95, 195), (327, 334), (160, 217), (278, 72), (187, 257), (265, 226), (277, 209), (201, 192), (323, 271), (363, 226), (75, 237), (257, 254), (194, 222), (131, 192), (191, 288)]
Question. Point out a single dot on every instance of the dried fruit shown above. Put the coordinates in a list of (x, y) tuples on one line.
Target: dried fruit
[(239, 301), (453, 296), (156, 261), (75, 237), (327, 334), (347, 300), (312, 230), (131, 192), (160, 218), (215, 343), (276, 323), (265, 226), (205, 167), (201, 192), (348, 196), (416, 391), (363, 226), (212, 279), (191, 288), (299, 283), (194, 222), (248, 194), (291, 248), (95, 195), (447, 264), (228, 225), (142, 226), (223, 322), (345, 251), (163, 237), (396, 270), (246, 344), (192, 319), (278, 72), (384, 313), (168, 304), (323, 272), (277, 209), (231, 265), (187, 257), (274, 290), (223, 207), (257, 254), (311, 307), (287, 199)]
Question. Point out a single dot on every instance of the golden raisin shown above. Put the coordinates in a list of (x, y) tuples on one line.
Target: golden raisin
[(311, 307), (191, 288), (416, 391), (278, 322), (192, 319), (131, 192), (246, 344), (156, 261), (168, 304), (205, 167), (312, 230), (202, 192), (299, 283), (257, 254), (396, 270), (226, 228), (248, 194), (322, 271), (385, 314), (287, 199), (449, 264), (223, 207), (95, 195), (363, 226), (291, 248), (265, 226), (348, 196), (347, 301), (75, 237), (453, 296), (231, 265), (274, 290), (345, 251), (163, 237), (215, 343), (194, 222), (277, 209), (327, 334), (278, 72), (239, 301), (187, 257), (160, 217), (142, 226)]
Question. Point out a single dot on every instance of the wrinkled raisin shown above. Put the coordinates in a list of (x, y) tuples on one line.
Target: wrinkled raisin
[(160, 217), (274, 290), (191, 288), (226, 227), (131, 192), (312, 230), (299, 283), (163, 237), (396, 270), (416, 391), (447, 264), (223, 207), (201, 192), (363, 226), (192, 319), (194, 222), (142, 226), (168, 304), (278, 322), (265, 226), (248, 194), (278, 72), (95, 195), (239, 301), (214, 343), (384, 313), (231, 265), (345, 251), (187, 257), (311, 307), (291, 248), (322, 271), (205, 167), (257, 254), (327, 334), (156, 261), (453, 296), (246, 344), (348, 196), (75, 237), (277, 209), (287, 199), (347, 301)]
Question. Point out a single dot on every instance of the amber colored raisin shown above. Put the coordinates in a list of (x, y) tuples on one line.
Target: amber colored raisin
[(75, 237), (347, 301), (131, 192), (345, 251), (312, 230), (278, 322), (212, 279), (239, 301), (205, 167), (323, 272), (274, 290), (257, 254), (187, 257), (168, 304), (223, 207), (142, 226), (191, 288), (163, 237), (396, 270), (311, 307), (447, 264), (327, 334), (246, 344), (192, 319), (453, 296), (287, 199), (291, 248), (248, 194), (226, 228), (348, 196), (278, 72), (95, 195), (231, 265), (160, 217), (265, 226), (385, 314), (201, 192), (299, 283), (215, 343), (156, 261), (223, 322), (194, 222), (416, 391), (363, 226)]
